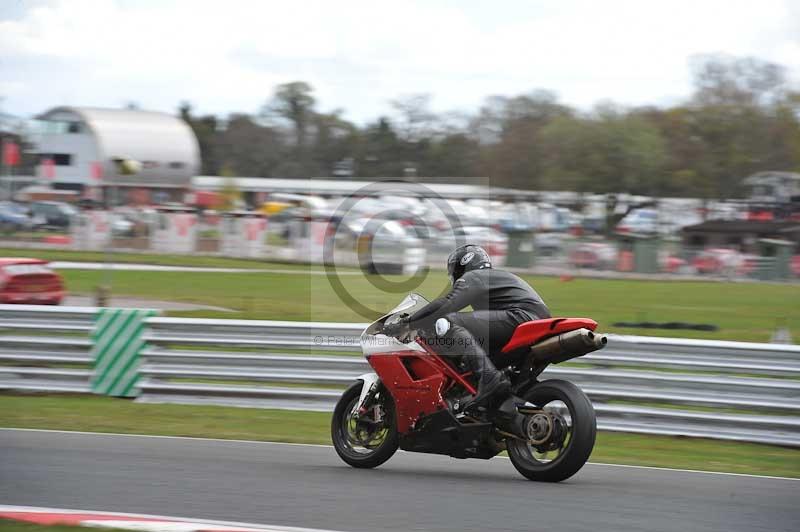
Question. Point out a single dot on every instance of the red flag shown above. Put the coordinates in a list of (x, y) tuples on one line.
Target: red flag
[(97, 171), (11, 154), (48, 168)]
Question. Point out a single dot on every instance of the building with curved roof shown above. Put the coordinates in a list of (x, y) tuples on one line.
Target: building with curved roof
[(84, 142)]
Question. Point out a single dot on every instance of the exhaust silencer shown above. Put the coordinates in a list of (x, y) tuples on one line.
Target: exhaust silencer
[(568, 345)]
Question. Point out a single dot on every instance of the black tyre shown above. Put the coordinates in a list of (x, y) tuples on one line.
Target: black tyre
[(567, 433), (362, 440)]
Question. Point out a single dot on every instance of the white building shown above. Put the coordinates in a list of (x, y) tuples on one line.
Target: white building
[(84, 142)]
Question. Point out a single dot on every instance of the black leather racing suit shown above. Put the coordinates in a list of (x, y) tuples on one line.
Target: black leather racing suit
[(500, 301)]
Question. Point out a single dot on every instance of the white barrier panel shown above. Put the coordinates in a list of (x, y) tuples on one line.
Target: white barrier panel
[(307, 238), (174, 232), (244, 236), (414, 260), (91, 230)]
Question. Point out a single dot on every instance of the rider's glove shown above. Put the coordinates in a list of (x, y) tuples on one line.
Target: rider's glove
[(397, 326)]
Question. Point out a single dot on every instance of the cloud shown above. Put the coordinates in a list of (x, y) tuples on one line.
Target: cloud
[(357, 54)]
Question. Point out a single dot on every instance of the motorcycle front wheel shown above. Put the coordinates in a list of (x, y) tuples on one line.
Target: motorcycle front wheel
[(364, 439), (560, 438)]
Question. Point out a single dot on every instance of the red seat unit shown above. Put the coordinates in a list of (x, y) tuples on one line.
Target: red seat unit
[(531, 332)]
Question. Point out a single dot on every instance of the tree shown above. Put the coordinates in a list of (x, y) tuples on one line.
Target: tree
[(741, 81), (335, 139), (609, 151), (247, 148), (379, 151), (743, 117), (415, 121), (741, 114), (455, 155), (510, 128), (293, 102), (204, 129)]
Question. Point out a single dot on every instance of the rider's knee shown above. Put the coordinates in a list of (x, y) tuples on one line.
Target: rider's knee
[(442, 327)]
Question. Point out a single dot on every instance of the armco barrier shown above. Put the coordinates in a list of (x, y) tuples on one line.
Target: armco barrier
[(723, 390), (71, 349)]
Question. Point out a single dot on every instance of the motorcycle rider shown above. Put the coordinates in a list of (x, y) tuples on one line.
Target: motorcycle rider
[(500, 301)]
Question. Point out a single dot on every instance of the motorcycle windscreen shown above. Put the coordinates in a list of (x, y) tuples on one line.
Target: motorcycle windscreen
[(410, 304)]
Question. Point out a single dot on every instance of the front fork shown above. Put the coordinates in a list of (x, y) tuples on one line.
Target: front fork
[(369, 384)]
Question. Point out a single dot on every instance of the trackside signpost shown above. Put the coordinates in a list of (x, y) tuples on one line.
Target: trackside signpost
[(117, 341)]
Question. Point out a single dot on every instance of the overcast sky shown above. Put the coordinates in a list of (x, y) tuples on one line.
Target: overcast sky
[(228, 55)]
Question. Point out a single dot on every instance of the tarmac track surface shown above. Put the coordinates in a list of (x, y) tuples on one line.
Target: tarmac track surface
[(308, 486)]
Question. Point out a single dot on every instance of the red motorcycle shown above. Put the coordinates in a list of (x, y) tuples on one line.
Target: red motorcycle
[(414, 401)]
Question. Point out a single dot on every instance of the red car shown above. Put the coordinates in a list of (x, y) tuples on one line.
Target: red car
[(599, 255), (29, 281), (723, 261)]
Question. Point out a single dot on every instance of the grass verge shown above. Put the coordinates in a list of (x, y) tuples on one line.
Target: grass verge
[(742, 311), (148, 258), (747, 312), (102, 414)]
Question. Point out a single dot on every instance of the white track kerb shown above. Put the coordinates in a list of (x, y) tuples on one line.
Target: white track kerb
[(140, 522)]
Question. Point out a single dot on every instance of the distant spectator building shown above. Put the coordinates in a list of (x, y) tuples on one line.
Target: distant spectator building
[(772, 211), (78, 147), (774, 187)]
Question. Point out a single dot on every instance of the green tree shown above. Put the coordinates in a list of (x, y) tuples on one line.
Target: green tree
[(511, 129), (293, 102), (742, 115), (247, 148), (335, 139), (609, 151), (380, 151), (204, 128)]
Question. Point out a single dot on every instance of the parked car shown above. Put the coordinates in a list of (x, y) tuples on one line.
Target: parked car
[(29, 281), (53, 214), (387, 246), (123, 222), (600, 255), (13, 217), (639, 221), (494, 242), (672, 263), (722, 261), (517, 216), (548, 244)]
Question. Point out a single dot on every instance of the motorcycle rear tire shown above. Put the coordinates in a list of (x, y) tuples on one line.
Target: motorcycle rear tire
[(580, 445)]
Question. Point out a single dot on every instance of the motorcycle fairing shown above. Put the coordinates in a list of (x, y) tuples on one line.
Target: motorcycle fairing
[(531, 332), (415, 384)]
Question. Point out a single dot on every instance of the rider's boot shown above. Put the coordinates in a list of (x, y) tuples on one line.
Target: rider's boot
[(493, 385)]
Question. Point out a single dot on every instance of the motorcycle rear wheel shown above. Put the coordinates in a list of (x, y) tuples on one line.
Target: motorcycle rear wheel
[(572, 441), (358, 440)]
